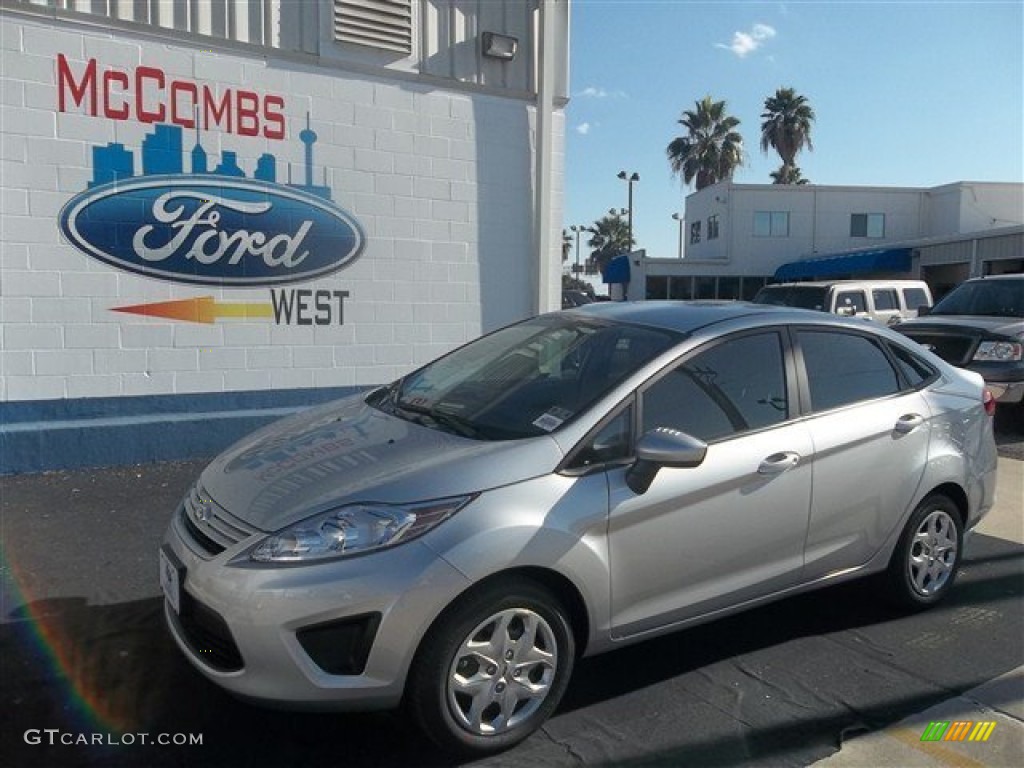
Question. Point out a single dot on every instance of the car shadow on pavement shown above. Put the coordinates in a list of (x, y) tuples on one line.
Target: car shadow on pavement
[(779, 684)]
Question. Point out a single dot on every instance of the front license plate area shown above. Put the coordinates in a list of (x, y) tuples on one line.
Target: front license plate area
[(172, 576)]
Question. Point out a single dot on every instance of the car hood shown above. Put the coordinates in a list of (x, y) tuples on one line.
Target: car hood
[(346, 451), (972, 325)]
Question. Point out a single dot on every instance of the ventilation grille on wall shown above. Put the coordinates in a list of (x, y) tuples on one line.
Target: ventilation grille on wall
[(385, 24)]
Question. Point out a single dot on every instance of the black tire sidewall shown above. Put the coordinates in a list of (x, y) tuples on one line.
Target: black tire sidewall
[(904, 592), (427, 691)]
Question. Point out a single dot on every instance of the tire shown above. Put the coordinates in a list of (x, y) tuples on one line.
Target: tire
[(924, 566), (476, 686)]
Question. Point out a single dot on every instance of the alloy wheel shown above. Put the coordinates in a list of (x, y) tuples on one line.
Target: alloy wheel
[(502, 671), (932, 554)]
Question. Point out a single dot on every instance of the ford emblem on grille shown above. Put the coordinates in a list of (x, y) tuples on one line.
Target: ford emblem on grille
[(203, 513)]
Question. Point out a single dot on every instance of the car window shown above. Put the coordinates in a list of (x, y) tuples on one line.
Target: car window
[(609, 443), (915, 298), (991, 297), (845, 368), (885, 298), (915, 370), (735, 386), (805, 297), (524, 380), (855, 299)]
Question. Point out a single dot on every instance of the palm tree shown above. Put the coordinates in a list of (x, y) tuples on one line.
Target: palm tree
[(786, 128), (791, 175), (609, 236), (711, 150)]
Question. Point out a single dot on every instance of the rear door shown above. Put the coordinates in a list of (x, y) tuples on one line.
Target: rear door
[(870, 431)]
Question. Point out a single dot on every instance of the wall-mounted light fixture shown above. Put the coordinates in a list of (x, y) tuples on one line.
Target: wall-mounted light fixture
[(499, 46)]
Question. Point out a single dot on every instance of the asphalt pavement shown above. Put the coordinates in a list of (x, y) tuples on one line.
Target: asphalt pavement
[(90, 676)]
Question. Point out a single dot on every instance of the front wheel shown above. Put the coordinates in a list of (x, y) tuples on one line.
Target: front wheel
[(492, 669), (924, 565)]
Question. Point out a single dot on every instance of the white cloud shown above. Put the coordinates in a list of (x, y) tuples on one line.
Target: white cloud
[(745, 43), (595, 92), (583, 129)]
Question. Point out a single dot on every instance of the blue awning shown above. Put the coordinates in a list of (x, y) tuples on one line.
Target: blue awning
[(617, 270), (885, 260)]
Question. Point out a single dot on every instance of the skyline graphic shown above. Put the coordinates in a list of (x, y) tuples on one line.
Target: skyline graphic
[(163, 154)]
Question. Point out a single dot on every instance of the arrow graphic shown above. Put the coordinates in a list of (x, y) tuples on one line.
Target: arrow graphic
[(203, 309)]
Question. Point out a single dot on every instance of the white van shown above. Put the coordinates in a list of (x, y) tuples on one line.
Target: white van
[(885, 301)]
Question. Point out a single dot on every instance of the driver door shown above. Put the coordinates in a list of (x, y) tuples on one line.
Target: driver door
[(732, 529)]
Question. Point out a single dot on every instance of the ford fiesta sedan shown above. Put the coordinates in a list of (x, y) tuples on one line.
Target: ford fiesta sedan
[(454, 541)]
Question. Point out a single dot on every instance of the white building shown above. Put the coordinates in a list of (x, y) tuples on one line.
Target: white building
[(214, 211), (738, 236)]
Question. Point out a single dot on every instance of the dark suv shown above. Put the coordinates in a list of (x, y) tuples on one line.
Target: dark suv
[(980, 326)]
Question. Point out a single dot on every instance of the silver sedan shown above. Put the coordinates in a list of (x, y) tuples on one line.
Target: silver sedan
[(582, 480)]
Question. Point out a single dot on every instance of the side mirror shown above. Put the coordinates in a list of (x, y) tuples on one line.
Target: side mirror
[(663, 447), (923, 310)]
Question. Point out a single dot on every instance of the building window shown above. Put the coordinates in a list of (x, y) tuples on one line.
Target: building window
[(705, 287), (713, 227), (771, 223), (867, 225), (695, 232), (728, 288)]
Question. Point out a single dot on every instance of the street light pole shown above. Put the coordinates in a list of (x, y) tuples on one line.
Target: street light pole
[(578, 229), (629, 178), (680, 219)]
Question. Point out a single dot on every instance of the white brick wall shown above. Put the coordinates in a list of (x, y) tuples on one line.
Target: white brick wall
[(401, 159)]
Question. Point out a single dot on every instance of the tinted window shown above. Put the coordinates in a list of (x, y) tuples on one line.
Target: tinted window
[(524, 380), (805, 297), (610, 442), (915, 298), (845, 368), (885, 298), (736, 386), (855, 299), (992, 297), (915, 370)]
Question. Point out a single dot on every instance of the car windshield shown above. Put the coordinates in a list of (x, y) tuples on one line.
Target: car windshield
[(991, 297), (524, 380), (802, 296)]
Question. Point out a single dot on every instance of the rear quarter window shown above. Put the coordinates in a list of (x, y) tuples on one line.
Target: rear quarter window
[(915, 370), (844, 368)]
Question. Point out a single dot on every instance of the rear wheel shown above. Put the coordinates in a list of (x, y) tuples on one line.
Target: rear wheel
[(924, 565), (492, 669)]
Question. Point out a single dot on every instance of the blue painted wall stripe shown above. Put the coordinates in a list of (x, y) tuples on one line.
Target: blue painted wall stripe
[(42, 435)]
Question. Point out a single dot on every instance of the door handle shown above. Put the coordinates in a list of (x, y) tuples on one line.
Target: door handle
[(778, 463), (908, 423)]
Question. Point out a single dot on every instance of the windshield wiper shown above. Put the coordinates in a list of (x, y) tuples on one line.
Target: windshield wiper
[(437, 417)]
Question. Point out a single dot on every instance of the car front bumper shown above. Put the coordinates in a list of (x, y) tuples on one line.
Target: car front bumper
[(243, 626)]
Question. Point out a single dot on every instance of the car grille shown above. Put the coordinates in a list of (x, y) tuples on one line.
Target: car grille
[(207, 635), (957, 350), (209, 525)]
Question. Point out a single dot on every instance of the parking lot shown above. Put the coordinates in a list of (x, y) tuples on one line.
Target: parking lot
[(86, 660)]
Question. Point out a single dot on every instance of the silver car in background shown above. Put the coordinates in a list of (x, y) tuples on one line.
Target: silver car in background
[(454, 541)]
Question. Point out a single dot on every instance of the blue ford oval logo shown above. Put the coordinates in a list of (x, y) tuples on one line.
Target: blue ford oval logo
[(212, 230)]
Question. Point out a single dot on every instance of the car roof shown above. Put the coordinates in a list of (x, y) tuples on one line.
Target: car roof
[(989, 278), (839, 283), (688, 316)]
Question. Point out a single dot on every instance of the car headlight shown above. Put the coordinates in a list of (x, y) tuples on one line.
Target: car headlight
[(355, 529), (998, 351)]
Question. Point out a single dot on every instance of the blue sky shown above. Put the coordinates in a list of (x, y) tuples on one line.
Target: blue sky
[(905, 93)]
